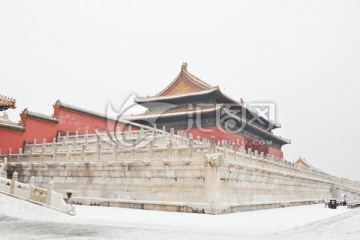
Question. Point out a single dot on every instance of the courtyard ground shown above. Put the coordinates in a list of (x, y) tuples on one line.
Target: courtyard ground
[(23, 220)]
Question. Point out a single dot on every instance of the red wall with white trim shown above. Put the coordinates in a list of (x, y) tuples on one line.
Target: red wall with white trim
[(74, 121), (40, 129)]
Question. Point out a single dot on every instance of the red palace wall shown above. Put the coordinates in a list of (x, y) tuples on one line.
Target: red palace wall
[(218, 134), (72, 122), (39, 129), (275, 152), (10, 139)]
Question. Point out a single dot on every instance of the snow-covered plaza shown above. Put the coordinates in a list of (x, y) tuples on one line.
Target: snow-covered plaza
[(23, 220)]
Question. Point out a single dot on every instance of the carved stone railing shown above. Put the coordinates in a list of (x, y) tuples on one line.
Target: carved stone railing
[(158, 144), (32, 193), (22, 190)]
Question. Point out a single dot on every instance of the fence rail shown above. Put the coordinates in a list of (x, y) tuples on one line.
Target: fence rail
[(156, 144), (33, 193)]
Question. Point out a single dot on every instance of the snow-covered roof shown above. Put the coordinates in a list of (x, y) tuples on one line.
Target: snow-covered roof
[(40, 116), (12, 126), (6, 102), (201, 89), (187, 112), (191, 78), (169, 114), (269, 134), (162, 98)]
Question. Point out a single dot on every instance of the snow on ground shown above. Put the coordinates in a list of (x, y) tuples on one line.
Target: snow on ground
[(24, 220)]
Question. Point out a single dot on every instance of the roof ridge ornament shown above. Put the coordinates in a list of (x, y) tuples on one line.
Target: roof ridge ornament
[(242, 103), (25, 112), (3, 97), (6, 103), (57, 103), (184, 67)]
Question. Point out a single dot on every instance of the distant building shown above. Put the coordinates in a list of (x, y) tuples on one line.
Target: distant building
[(303, 163)]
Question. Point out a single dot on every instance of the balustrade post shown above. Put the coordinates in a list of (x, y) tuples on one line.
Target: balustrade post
[(225, 147), (262, 157), (9, 153), (170, 151), (139, 136), (212, 145), (83, 147), (151, 149), (51, 188), (19, 155), (267, 157), (141, 133), (256, 157), (76, 136), (30, 153), (53, 143), (116, 149), (31, 185), (133, 152), (234, 150), (190, 147), (249, 152), (243, 152), (99, 152), (155, 130), (172, 133), (42, 152), (86, 136), (68, 146), (107, 135), (97, 139), (12, 183), (54, 153)]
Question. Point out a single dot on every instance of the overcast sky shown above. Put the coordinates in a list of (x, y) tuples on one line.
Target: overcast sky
[(302, 55)]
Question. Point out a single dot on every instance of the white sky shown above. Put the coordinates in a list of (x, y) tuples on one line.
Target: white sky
[(302, 55)]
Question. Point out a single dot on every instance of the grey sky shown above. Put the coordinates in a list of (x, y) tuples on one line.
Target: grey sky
[(303, 55)]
